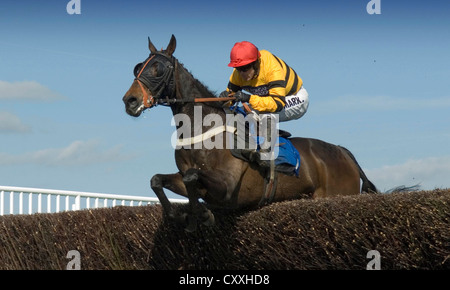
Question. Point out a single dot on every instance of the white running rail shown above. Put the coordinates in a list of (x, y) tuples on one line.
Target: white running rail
[(24, 200)]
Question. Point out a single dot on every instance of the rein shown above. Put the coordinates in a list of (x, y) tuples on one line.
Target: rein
[(170, 101)]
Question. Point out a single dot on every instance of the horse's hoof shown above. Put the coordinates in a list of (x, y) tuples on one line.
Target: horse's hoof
[(208, 218)]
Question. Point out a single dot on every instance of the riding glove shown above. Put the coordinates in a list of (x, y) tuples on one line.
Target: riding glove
[(242, 97), (224, 94)]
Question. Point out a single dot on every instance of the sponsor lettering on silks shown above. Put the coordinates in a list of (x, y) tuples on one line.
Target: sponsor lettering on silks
[(293, 102)]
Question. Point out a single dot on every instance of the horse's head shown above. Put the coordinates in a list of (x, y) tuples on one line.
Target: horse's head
[(154, 80)]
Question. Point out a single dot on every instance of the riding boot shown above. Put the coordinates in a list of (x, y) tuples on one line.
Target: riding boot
[(254, 157), (249, 154), (261, 163)]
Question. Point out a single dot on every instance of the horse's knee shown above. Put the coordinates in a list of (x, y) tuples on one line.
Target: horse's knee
[(156, 181)]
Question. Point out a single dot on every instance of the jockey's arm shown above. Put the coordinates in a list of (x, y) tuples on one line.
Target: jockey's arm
[(271, 103), (274, 102), (274, 77)]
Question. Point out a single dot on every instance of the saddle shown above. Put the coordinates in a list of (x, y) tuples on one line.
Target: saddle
[(287, 162)]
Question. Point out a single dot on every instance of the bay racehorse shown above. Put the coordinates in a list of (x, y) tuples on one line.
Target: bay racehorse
[(215, 175)]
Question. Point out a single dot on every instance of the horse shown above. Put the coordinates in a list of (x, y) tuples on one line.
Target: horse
[(215, 175)]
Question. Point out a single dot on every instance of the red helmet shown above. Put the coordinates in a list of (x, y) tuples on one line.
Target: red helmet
[(243, 53)]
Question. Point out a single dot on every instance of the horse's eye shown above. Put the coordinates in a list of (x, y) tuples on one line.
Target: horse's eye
[(137, 69), (160, 70)]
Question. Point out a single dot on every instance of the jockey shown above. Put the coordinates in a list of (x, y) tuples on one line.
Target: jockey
[(274, 87)]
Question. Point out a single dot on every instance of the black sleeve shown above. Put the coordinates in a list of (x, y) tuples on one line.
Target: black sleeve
[(233, 87)]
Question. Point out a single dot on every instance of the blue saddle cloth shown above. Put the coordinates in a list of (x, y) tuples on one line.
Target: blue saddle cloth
[(288, 160)]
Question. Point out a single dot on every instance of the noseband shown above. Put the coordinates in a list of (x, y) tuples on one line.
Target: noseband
[(158, 84)]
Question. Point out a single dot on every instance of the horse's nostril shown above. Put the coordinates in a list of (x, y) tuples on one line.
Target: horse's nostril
[(133, 106), (132, 101)]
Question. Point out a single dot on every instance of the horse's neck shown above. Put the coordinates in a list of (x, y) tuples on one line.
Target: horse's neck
[(189, 88)]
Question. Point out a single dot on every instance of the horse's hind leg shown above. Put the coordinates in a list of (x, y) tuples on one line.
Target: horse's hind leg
[(173, 182)]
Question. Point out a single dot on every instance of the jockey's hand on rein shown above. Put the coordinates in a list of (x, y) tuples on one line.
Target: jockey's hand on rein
[(224, 94), (242, 97)]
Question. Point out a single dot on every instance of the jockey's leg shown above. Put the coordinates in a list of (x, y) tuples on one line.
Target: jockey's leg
[(296, 106)]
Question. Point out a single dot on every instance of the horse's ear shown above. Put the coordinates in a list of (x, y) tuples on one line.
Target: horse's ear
[(151, 47), (172, 45)]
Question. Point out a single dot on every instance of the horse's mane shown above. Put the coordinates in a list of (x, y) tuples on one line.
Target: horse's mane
[(204, 90)]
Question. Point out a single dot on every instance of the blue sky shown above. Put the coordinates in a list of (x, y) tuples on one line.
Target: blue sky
[(378, 84)]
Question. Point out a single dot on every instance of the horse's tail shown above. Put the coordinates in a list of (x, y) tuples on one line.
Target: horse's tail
[(367, 185), (404, 188)]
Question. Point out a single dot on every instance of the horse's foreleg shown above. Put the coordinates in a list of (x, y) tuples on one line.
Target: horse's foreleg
[(173, 182), (198, 183), (190, 179)]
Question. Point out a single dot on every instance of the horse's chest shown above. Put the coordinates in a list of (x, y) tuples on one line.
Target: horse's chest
[(198, 159)]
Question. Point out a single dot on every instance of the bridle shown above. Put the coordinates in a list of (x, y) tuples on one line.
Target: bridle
[(165, 83), (158, 84)]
